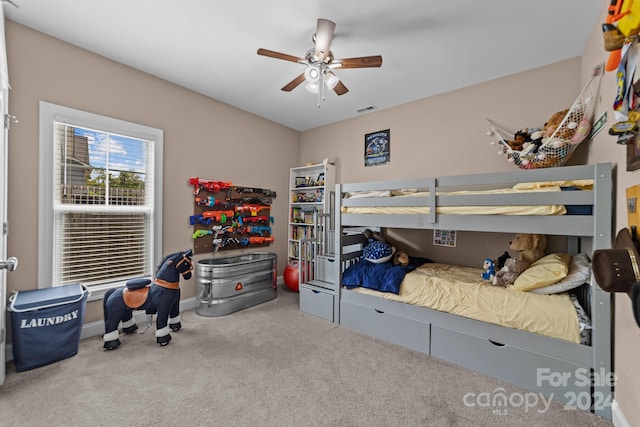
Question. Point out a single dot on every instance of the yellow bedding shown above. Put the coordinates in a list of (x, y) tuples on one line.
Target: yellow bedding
[(461, 291), (463, 210)]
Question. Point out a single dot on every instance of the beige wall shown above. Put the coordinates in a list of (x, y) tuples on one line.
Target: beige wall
[(202, 137)]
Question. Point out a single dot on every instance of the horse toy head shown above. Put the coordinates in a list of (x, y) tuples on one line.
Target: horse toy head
[(173, 265)]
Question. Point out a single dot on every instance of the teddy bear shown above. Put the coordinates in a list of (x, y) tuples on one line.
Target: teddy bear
[(530, 248), (507, 274), (401, 258), (552, 124)]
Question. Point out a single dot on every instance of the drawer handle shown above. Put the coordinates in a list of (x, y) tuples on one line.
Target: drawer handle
[(379, 311), (497, 344), (315, 292)]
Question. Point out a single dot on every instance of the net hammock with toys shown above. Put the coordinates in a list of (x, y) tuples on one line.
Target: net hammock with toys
[(553, 149)]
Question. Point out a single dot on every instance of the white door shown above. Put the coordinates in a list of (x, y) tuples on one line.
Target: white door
[(5, 264)]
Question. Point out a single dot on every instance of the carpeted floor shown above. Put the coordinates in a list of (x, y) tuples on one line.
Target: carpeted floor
[(269, 365)]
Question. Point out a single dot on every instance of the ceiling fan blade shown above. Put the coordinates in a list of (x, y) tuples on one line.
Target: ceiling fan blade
[(340, 88), (362, 62), (293, 83), (324, 35), (278, 55)]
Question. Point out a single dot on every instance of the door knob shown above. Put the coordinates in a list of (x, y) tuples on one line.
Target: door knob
[(10, 264)]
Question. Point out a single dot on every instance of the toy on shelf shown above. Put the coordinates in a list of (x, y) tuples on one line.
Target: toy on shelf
[(555, 143)]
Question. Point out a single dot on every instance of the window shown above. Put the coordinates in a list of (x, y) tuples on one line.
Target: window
[(100, 199)]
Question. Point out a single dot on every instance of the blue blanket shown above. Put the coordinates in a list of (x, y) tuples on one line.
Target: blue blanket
[(384, 277)]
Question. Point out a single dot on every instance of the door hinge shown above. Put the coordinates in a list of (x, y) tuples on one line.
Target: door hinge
[(5, 228), (8, 119)]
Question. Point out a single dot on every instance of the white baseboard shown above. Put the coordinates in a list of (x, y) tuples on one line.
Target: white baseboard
[(617, 416), (96, 328)]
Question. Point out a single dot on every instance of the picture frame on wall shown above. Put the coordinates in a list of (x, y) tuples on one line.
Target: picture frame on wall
[(377, 148), (633, 154)]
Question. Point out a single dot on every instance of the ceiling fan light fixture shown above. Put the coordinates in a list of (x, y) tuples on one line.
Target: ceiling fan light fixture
[(331, 80), (312, 74), (312, 87)]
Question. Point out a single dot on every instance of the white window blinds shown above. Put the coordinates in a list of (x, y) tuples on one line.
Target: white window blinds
[(103, 206)]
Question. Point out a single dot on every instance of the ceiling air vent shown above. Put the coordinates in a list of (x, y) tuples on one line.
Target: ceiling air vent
[(365, 109)]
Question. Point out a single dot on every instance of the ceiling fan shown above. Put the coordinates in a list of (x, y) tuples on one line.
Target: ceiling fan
[(320, 62)]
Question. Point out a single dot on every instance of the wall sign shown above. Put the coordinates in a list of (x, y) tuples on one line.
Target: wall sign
[(377, 148)]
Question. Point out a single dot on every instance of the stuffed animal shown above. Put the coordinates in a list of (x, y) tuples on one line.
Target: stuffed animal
[(552, 125), (401, 258), (507, 274), (520, 138), (501, 260), (535, 141), (377, 250), (489, 269), (530, 248)]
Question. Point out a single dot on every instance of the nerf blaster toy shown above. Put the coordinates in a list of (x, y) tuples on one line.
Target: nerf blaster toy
[(250, 200), (199, 219), (220, 216), (263, 191), (255, 240), (253, 219), (219, 229), (209, 185), (201, 233), (221, 243), (253, 209), (259, 229), (211, 201)]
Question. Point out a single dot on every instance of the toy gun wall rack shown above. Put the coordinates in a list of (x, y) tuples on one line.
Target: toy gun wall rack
[(226, 216)]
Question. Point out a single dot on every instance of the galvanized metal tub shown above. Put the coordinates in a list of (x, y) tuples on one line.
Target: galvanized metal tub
[(230, 284)]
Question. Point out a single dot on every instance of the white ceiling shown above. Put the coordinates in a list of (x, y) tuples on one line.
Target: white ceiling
[(428, 46)]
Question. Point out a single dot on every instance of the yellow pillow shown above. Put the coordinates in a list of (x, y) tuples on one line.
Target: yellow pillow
[(546, 271)]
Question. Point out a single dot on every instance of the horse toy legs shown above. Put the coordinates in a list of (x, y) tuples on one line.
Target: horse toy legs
[(161, 297)]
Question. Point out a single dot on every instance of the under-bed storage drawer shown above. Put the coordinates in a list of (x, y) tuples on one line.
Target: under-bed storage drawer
[(561, 380), (389, 327), (316, 301)]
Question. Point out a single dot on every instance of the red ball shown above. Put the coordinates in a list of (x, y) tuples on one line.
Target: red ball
[(291, 276)]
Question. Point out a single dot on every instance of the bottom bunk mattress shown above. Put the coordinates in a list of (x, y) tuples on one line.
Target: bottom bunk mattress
[(462, 291)]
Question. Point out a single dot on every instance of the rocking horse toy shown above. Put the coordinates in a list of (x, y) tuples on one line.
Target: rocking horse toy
[(162, 296)]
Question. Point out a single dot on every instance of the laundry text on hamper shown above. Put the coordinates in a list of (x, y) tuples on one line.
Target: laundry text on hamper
[(48, 321)]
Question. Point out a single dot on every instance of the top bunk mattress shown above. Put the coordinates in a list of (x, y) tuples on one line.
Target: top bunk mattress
[(416, 202)]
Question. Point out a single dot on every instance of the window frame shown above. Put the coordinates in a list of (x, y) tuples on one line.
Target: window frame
[(50, 113)]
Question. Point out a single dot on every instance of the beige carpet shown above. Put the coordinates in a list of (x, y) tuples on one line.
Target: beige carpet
[(269, 365)]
